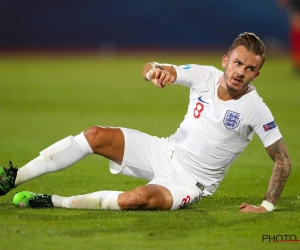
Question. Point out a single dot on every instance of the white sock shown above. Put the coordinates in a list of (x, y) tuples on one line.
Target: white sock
[(106, 200), (58, 156)]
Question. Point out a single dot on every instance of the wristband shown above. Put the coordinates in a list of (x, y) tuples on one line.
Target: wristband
[(154, 66), (148, 73), (268, 205)]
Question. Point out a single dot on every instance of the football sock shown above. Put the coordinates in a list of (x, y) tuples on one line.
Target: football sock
[(58, 156), (106, 200)]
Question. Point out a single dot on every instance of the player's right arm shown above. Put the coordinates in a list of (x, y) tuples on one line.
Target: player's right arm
[(159, 74)]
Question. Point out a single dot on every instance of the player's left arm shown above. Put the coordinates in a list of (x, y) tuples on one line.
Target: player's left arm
[(279, 154)]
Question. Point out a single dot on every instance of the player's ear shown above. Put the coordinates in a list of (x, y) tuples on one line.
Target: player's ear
[(257, 74), (224, 61)]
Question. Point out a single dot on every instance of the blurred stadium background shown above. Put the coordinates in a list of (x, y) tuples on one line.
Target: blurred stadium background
[(132, 24)]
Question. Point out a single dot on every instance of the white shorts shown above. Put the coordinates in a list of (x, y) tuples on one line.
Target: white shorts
[(153, 159)]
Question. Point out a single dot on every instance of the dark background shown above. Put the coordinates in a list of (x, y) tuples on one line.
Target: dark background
[(90, 24)]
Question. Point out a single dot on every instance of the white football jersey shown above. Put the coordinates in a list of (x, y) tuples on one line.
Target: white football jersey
[(214, 132)]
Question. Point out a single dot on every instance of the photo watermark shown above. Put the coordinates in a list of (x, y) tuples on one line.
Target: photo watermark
[(279, 238)]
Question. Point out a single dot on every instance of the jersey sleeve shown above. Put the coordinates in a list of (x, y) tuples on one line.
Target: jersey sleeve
[(260, 118), (191, 75)]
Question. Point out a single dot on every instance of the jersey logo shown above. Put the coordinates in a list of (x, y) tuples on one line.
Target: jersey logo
[(200, 99), (269, 126), (231, 119), (186, 66)]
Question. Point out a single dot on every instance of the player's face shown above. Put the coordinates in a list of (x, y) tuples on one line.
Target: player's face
[(241, 67)]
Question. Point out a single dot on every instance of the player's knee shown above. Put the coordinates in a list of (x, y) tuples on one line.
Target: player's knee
[(98, 136), (135, 199)]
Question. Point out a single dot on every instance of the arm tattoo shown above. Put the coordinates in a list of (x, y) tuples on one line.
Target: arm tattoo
[(282, 168)]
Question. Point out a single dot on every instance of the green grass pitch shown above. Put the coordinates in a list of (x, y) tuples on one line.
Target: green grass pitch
[(46, 98)]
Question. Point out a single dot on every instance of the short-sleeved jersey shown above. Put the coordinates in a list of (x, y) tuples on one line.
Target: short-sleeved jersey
[(214, 132)]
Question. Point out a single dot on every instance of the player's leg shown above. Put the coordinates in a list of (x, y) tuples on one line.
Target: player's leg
[(295, 34), (150, 197), (56, 157), (108, 142)]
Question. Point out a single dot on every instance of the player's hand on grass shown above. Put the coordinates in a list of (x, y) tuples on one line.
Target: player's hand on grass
[(247, 208), (161, 77)]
